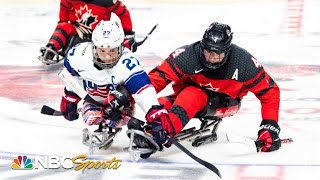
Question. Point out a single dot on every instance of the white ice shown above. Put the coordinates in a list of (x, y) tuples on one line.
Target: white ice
[(256, 25)]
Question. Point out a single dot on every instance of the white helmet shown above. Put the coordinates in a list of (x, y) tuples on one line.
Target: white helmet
[(108, 34)]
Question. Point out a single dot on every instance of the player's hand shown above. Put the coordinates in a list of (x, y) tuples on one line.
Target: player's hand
[(69, 105), (268, 136), (129, 41), (161, 128), (117, 99), (112, 115)]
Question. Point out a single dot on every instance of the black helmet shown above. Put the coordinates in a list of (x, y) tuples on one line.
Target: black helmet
[(217, 38)]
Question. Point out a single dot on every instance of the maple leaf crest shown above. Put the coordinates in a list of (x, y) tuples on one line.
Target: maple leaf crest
[(84, 16), (209, 87)]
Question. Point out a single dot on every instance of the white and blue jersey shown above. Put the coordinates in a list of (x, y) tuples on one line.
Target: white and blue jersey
[(97, 82)]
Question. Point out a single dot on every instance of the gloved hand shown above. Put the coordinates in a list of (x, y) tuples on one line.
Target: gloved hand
[(115, 102), (69, 105), (268, 136), (109, 113), (129, 41), (161, 128)]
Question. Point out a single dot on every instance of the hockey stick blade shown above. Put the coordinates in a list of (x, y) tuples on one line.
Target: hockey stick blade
[(145, 38), (202, 162), (50, 111)]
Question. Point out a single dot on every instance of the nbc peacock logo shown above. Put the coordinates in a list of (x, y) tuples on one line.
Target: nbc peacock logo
[(22, 162)]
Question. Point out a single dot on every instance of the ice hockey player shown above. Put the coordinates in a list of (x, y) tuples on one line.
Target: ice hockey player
[(77, 20), (210, 78), (111, 74)]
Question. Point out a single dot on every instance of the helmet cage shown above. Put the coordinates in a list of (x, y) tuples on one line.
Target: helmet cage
[(104, 65)]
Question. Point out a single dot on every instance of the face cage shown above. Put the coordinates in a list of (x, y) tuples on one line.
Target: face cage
[(104, 65), (213, 65)]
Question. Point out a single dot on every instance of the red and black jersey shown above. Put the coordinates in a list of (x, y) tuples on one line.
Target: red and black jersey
[(239, 75), (90, 12)]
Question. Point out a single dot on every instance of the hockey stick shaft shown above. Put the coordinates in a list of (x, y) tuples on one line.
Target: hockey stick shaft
[(52, 112), (76, 87), (260, 144), (145, 38)]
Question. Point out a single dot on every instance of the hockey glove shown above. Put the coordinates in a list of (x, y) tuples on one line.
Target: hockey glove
[(161, 128), (69, 105), (268, 136), (115, 102), (129, 41)]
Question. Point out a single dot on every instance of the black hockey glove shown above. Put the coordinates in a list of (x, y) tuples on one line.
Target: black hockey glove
[(268, 136), (117, 100), (129, 41), (69, 105)]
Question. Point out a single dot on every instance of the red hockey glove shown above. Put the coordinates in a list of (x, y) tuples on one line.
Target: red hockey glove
[(69, 105), (268, 136), (129, 41), (161, 128)]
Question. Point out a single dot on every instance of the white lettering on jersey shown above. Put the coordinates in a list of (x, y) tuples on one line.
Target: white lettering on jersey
[(235, 75), (158, 113), (256, 62), (177, 52)]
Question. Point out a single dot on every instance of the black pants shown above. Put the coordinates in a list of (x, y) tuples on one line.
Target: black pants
[(220, 105)]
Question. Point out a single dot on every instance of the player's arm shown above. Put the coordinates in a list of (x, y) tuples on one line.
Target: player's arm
[(165, 73), (70, 100), (122, 11), (267, 91), (144, 94), (65, 8)]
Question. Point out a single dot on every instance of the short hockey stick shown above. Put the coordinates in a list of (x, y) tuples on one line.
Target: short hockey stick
[(244, 140), (147, 36), (52, 112), (76, 87)]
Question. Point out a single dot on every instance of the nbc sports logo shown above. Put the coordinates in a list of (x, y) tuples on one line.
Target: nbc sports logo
[(22, 162)]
